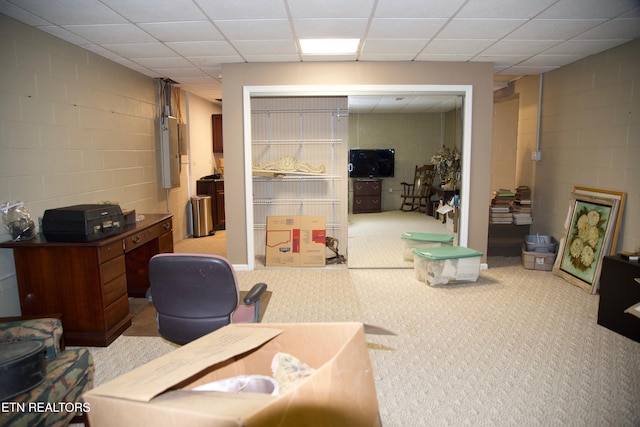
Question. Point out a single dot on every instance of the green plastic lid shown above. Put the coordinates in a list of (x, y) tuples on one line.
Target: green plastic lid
[(428, 237), (446, 252)]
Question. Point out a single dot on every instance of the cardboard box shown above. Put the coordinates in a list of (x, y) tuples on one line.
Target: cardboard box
[(439, 266), (414, 240), (296, 241), (533, 260), (340, 392)]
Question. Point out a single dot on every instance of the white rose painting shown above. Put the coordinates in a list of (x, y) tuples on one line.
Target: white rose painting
[(585, 240)]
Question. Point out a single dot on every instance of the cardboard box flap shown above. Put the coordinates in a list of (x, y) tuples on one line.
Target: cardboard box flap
[(148, 381)]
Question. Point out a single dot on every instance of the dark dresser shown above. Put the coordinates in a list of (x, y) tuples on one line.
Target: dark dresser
[(619, 290), (367, 195)]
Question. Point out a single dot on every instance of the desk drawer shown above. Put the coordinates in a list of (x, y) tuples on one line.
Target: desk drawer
[(114, 289), (112, 250), (112, 269), (117, 311), (140, 238)]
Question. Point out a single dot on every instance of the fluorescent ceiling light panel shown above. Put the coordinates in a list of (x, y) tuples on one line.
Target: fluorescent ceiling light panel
[(329, 46)]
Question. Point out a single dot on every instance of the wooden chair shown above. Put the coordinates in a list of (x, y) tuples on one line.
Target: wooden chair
[(417, 195)]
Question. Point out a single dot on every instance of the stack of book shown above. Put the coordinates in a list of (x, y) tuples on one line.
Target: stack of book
[(521, 207), (500, 210)]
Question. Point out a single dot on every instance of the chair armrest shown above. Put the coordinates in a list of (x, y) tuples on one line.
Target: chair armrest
[(255, 293)]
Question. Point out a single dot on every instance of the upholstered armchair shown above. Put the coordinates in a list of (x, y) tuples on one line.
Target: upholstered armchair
[(69, 373)]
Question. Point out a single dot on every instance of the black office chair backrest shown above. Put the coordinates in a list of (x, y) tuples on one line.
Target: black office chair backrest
[(194, 294)]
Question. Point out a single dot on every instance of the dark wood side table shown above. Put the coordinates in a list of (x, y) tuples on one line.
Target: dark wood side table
[(619, 290), (89, 283), (367, 195)]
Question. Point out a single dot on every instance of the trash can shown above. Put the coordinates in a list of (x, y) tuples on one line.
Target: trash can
[(202, 219)]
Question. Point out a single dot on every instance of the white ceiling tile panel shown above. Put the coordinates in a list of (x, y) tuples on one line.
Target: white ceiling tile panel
[(332, 28), (243, 9), (377, 57), (140, 50), (588, 9), (404, 46), (249, 29), (442, 46), (111, 33), (263, 57), (159, 11), (160, 62), (504, 8), (259, 47), (330, 8), (553, 29), (550, 60), (202, 48), (501, 61), (581, 47), (480, 28), (444, 57), (21, 14), (620, 29), (65, 35), (519, 47), (65, 12), (406, 28), (182, 31), (417, 8)]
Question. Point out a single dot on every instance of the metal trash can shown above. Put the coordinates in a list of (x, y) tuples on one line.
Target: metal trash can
[(202, 219)]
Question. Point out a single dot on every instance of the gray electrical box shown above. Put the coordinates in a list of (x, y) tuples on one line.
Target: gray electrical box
[(167, 130)]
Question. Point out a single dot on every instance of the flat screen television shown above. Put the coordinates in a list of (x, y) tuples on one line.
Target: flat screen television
[(371, 162)]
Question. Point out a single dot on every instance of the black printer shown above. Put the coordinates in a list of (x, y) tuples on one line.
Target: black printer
[(82, 223)]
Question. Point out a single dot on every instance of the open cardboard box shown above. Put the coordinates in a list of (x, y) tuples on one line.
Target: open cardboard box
[(295, 241), (341, 391)]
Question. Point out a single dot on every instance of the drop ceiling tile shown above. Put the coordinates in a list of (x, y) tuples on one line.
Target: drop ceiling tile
[(417, 8), (553, 29), (179, 73), (501, 60), (525, 70), (245, 9), (161, 62), (330, 8), (21, 15), (334, 28), (588, 9), (444, 57), (398, 47), (65, 35), (249, 29), (550, 60), (67, 12), (581, 47), (182, 31), (408, 28), (325, 58), (460, 47), (209, 48), (266, 57), (401, 57), (519, 47), (503, 8), (259, 47), (156, 10), (110, 34), (621, 29), (140, 50), (479, 28)]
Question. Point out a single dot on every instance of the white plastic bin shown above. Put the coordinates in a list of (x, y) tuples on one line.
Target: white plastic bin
[(439, 266), (413, 240)]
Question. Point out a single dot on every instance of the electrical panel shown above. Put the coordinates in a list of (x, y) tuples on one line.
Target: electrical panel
[(167, 131)]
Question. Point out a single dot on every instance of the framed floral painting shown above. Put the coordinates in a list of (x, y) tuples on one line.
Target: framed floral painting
[(587, 239)]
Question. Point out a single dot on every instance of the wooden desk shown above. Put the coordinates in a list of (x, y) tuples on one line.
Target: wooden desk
[(89, 283)]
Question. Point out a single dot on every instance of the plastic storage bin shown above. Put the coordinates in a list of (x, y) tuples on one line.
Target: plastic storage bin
[(532, 260), (439, 266), (539, 243), (413, 240)]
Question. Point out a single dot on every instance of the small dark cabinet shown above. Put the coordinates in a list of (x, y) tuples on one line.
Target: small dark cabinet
[(216, 127), (367, 195), (506, 239), (619, 290)]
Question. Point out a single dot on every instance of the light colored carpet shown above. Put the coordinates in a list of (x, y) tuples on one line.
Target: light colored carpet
[(519, 347), (216, 244), (375, 238)]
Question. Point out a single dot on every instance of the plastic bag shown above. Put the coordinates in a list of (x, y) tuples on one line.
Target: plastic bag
[(17, 220)]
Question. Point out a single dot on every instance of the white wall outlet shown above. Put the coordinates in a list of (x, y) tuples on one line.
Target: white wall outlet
[(536, 155)]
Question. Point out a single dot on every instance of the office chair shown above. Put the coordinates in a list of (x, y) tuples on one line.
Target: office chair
[(195, 294)]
